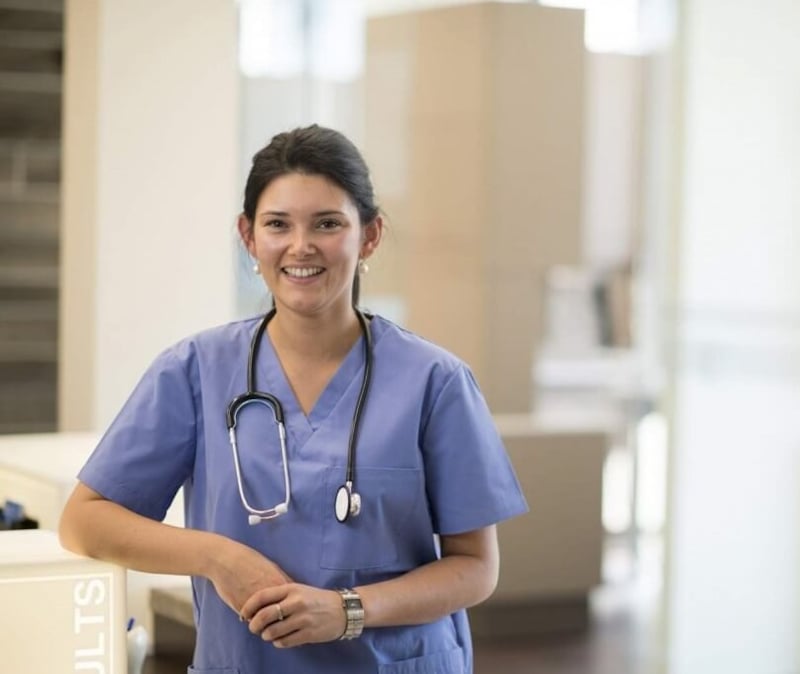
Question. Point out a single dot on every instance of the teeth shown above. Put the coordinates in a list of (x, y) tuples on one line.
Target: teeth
[(302, 272)]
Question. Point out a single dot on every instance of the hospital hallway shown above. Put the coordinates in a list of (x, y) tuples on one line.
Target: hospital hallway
[(623, 637)]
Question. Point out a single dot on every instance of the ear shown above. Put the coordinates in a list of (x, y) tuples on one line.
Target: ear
[(246, 234), (371, 237)]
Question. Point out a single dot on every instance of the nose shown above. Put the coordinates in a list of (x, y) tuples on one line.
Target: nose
[(302, 242)]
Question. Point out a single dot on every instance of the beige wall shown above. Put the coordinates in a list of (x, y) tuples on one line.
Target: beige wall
[(76, 362), (536, 183), (474, 134)]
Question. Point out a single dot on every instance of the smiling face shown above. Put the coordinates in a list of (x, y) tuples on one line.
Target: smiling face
[(307, 239)]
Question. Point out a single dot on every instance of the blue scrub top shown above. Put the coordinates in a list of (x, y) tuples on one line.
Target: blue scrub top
[(429, 461)]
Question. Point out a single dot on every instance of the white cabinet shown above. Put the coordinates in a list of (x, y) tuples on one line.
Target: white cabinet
[(66, 613)]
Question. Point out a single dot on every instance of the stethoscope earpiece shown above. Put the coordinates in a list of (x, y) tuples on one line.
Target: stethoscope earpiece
[(280, 509)]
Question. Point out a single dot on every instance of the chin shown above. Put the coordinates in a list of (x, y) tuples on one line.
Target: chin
[(300, 306), (311, 309)]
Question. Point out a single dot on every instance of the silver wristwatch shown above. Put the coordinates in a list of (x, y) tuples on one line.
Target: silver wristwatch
[(354, 612)]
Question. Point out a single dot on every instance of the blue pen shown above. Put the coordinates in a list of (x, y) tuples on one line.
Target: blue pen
[(130, 624)]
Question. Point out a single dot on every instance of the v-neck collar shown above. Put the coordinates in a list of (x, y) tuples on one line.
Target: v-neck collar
[(301, 427)]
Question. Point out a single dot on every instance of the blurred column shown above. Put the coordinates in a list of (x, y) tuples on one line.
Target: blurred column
[(150, 190), (733, 578)]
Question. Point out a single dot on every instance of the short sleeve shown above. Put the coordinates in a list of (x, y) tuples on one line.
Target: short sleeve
[(148, 451), (469, 478)]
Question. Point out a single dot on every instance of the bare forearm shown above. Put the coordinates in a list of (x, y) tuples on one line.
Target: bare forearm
[(105, 530), (465, 576), (425, 594), (92, 526)]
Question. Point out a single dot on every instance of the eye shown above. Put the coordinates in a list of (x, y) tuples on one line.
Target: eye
[(275, 224), (328, 224)]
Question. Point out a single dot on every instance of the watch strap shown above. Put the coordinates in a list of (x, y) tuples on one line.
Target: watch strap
[(353, 611)]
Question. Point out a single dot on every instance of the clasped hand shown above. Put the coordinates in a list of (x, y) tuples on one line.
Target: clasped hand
[(281, 611), (293, 614)]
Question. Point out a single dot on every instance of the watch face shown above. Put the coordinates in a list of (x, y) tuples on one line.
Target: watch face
[(342, 504)]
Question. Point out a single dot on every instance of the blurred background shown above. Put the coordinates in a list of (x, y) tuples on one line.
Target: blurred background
[(595, 204)]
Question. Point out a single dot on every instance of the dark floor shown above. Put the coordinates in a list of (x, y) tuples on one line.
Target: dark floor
[(624, 635)]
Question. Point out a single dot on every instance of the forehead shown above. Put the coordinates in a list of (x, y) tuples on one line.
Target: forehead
[(303, 193)]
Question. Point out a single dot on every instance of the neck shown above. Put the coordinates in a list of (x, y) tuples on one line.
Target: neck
[(322, 337)]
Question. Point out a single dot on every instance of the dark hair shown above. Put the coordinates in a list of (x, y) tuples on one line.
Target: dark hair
[(313, 150)]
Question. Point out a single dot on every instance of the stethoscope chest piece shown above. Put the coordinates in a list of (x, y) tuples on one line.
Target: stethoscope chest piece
[(347, 503)]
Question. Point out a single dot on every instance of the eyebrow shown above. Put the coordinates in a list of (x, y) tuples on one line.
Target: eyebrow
[(317, 214)]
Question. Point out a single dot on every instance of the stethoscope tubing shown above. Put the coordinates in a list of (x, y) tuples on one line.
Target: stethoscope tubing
[(353, 500), (270, 401), (360, 401)]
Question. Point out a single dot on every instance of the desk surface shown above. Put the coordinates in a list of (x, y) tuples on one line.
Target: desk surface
[(34, 546)]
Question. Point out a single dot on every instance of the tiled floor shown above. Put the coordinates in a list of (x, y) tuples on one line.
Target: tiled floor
[(624, 636)]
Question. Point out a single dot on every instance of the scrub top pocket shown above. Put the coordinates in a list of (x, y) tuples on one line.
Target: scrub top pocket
[(213, 670), (391, 502)]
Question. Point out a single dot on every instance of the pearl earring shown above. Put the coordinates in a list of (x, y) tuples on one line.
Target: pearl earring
[(363, 267), (256, 268)]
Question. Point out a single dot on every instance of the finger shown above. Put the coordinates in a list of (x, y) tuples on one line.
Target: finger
[(260, 599), (289, 641), (267, 616), (283, 634)]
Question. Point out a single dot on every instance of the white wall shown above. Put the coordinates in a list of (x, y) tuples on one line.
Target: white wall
[(151, 190), (734, 563), (612, 165)]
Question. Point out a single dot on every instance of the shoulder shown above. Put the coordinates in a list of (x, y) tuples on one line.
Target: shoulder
[(223, 335), (210, 345), (404, 343), (404, 353)]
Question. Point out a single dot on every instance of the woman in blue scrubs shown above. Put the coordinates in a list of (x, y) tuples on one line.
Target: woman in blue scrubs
[(292, 588)]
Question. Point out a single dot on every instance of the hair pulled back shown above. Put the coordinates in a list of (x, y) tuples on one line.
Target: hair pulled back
[(312, 150)]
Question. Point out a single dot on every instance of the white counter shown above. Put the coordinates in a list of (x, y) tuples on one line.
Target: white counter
[(39, 471)]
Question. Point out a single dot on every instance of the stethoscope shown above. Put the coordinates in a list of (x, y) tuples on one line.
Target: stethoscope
[(347, 501)]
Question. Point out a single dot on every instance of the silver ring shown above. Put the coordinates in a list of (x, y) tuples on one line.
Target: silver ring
[(280, 613)]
